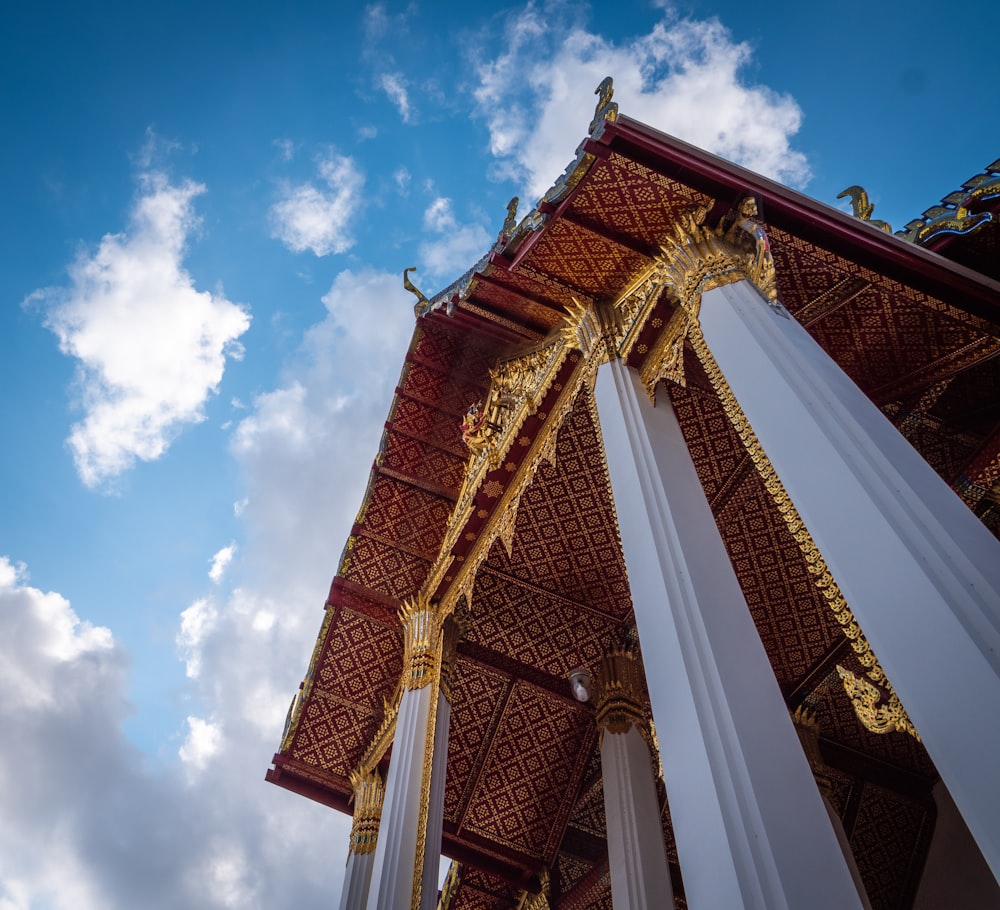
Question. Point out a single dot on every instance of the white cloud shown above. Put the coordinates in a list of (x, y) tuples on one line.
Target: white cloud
[(196, 622), (221, 561), (204, 740), (402, 178), (685, 77), (120, 834), (150, 347), (458, 247), (394, 85), (307, 217)]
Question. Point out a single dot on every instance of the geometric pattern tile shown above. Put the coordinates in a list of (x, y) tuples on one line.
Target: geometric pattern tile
[(795, 623), (381, 567), (448, 394), (361, 659), (890, 841), (333, 733), (633, 201), (406, 516), (525, 623), (525, 791), (477, 698), (412, 417), (479, 890), (583, 260), (566, 537), (412, 458)]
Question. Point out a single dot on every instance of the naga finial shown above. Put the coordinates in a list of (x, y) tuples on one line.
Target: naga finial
[(862, 208), (510, 222), (606, 108), (413, 289)]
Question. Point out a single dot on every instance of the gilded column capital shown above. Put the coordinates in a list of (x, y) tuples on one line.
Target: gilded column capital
[(620, 703), (369, 794), (422, 638)]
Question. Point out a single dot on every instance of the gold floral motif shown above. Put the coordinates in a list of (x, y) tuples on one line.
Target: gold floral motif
[(815, 563), (877, 713), (369, 794)]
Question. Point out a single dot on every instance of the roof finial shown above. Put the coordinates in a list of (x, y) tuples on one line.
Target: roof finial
[(862, 208), (606, 108), (422, 301)]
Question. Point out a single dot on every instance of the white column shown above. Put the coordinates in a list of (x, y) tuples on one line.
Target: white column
[(398, 851), (637, 857), (357, 879), (919, 571), (369, 792), (435, 812), (750, 826)]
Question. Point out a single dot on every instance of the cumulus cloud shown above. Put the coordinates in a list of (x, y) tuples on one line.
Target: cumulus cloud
[(150, 347), (323, 421), (452, 248), (117, 833), (686, 77), (320, 218), (204, 740)]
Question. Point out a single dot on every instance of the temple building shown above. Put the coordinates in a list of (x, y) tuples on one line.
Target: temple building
[(677, 581)]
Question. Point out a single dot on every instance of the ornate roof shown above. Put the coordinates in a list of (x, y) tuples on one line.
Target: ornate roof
[(535, 560)]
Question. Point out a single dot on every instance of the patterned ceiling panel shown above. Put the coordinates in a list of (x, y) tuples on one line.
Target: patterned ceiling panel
[(570, 870), (428, 423), (714, 446), (877, 329), (333, 733), (515, 305), (588, 814), (525, 792), (478, 694), (971, 402), (877, 338), (464, 357), (535, 283), (362, 659), (406, 516), (449, 394), (566, 538), (385, 569), (632, 200), (412, 458), (549, 633), (480, 891), (584, 261), (890, 838)]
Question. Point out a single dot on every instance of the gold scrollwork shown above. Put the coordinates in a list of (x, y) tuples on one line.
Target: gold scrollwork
[(877, 713), (422, 638)]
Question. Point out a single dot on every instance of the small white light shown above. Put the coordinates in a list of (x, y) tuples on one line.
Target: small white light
[(580, 682)]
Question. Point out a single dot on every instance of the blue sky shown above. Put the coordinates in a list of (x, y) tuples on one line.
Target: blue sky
[(207, 208)]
